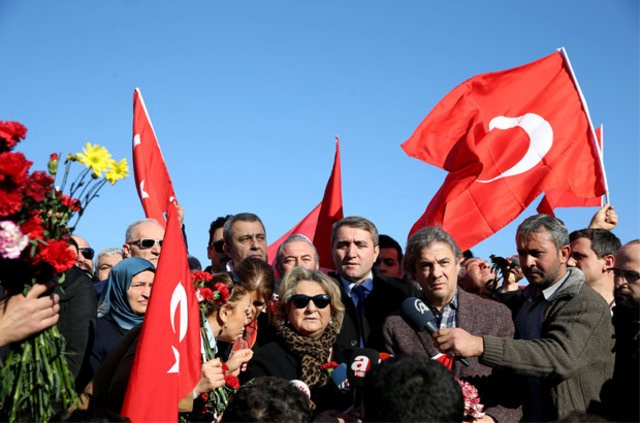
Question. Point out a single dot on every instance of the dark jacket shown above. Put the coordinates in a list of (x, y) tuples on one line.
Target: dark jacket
[(77, 321), (274, 359), (108, 335), (572, 358), (478, 316), (385, 298)]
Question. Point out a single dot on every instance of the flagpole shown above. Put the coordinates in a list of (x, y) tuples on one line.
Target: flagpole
[(591, 128)]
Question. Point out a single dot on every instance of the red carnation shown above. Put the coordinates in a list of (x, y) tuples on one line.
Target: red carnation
[(225, 368), (58, 255), (206, 293), (199, 276), (11, 133), (232, 381), (223, 291), (33, 228), (72, 203), (14, 167), (39, 184), (10, 201)]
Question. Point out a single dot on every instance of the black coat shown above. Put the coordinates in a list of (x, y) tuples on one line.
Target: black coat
[(77, 321), (385, 298)]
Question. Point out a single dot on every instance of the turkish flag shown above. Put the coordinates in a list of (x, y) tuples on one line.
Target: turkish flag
[(152, 178), (562, 198), (167, 363), (317, 224), (505, 137)]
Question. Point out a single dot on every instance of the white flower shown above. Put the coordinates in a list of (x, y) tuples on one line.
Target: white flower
[(12, 240)]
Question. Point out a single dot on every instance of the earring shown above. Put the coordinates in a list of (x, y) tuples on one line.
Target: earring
[(224, 326)]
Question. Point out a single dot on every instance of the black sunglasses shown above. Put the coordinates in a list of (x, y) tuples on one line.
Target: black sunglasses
[(88, 253), (301, 301), (218, 246), (146, 243)]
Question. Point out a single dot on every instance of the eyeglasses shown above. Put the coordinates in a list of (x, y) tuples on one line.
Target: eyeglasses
[(217, 245), (629, 275), (88, 253), (146, 243), (301, 301)]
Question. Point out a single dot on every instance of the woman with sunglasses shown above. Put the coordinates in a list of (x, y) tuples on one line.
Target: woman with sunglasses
[(126, 297), (307, 320)]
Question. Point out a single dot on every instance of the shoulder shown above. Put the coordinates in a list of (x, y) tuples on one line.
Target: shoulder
[(392, 285), (482, 305)]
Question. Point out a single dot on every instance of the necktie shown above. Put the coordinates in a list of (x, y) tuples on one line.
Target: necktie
[(360, 292)]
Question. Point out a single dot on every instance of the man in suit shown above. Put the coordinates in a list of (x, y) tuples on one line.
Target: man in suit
[(367, 295), (433, 260)]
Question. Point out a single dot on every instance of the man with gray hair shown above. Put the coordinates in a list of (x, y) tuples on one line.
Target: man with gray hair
[(296, 250), (564, 326), (144, 239)]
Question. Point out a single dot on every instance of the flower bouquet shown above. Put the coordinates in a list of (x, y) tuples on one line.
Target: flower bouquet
[(473, 409), (209, 293), (34, 229)]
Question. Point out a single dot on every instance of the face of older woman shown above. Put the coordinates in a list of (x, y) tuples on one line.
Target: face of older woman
[(140, 290), (309, 319), (235, 319)]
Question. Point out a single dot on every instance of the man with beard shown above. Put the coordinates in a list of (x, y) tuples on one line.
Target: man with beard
[(622, 391), (564, 326)]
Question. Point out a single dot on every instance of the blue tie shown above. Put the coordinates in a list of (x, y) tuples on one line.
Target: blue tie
[(361, 293)]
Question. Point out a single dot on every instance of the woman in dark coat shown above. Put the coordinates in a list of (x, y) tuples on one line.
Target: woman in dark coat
[(125, 302), (307, 320)]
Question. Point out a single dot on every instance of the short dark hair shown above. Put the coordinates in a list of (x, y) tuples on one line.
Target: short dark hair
[(227, 229), (411, 389), (268, 399), (603, 242), (215, 225), (385, 241), (255, 274), (358, 223)]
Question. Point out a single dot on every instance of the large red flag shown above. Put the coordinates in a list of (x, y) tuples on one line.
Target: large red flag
[(317, 224), (152, 179), (505, 137), (167, 363), (562, 198)]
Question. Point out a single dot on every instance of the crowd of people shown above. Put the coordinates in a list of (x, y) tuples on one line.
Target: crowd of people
[(312, 344)]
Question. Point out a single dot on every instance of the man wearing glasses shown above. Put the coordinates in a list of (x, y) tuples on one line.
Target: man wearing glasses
[(622, 391), (144, 239), (85, 254), (215, 250)]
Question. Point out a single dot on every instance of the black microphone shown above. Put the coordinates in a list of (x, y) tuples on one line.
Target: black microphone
[(364, 359), (419, 317)]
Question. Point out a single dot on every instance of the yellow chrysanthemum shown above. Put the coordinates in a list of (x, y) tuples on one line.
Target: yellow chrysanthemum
[(117, 171), (95, 158)]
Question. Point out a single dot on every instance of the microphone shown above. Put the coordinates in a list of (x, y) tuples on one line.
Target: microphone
[(302, 387), (339, 377), (419, 317), (364, 359)]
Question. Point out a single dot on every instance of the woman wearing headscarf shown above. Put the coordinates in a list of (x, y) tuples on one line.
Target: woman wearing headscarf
[(125, 302), (307, 320)]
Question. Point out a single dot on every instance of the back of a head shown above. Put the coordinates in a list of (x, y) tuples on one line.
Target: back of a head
[(268, 399), (412, 389)]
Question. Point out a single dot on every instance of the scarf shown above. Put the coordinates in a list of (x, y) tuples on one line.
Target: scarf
[(312, 352), (116, 299)]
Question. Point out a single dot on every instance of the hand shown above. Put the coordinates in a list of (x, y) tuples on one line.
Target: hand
[(211, 377), (180, 213), (605, 218), (21, 316), (238, 361), (456, 341)]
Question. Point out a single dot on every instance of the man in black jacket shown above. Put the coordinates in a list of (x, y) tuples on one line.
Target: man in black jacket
[(368, 296)]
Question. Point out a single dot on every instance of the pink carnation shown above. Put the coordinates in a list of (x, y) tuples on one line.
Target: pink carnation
[(12, 240)]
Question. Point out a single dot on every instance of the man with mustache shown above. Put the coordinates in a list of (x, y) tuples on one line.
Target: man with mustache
[(564, 326)]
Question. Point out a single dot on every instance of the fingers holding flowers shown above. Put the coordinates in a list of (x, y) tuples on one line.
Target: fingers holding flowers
[(211, 376)]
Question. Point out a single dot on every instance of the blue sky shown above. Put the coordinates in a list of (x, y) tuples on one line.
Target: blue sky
[(246, 97)]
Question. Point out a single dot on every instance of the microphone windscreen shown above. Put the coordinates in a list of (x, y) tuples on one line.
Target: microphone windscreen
[(303, 387), (364, 359), (339, 377), (417, 314)]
